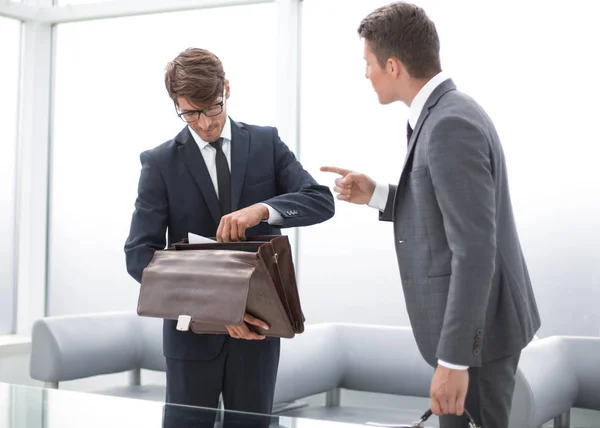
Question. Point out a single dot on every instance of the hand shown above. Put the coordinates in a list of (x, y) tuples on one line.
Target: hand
[(449, 391), (352, 186), (233, 226), (243, 332)]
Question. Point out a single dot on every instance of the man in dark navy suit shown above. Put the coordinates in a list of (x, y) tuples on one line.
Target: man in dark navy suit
[(226, 179)]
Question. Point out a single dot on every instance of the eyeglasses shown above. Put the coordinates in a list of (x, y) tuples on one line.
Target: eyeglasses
[(191, 116)]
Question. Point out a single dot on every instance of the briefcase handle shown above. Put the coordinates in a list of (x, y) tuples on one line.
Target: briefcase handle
[(428, 414), (419, 423)]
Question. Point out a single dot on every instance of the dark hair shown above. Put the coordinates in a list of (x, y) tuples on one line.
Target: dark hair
[(404, 31), (197, 75)]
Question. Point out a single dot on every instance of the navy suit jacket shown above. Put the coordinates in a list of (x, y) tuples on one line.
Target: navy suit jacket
[(176, 196)]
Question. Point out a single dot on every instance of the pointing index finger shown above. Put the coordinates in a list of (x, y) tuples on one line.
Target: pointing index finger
[(336, 170)]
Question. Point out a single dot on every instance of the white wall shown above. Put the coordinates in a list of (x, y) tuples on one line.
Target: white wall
[(9, 78), (532, 65)]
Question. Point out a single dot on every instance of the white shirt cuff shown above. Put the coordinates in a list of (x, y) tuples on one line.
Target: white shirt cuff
[(452, 366), (275, 217), (380, 197)]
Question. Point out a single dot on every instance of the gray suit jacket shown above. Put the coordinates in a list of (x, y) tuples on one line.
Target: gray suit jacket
[(465, 281)]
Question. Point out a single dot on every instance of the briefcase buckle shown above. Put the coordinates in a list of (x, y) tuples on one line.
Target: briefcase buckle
[(183, 322)]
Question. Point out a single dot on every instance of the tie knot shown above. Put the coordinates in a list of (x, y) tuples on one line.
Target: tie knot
[(218, 145)]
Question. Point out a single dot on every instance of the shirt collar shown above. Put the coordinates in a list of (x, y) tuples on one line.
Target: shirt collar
[(416, 107), (225, 134)]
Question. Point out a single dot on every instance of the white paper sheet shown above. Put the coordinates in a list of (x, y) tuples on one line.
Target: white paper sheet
[(197, 239)]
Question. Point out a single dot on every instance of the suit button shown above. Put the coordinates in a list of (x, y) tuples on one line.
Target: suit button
[(476, 351), (479, 332)]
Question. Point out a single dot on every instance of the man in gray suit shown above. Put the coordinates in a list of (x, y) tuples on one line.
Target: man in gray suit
[(465, 281)]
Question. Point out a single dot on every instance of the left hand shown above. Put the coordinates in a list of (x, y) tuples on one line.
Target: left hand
[(233, 226), (449, 391), (243, 332)]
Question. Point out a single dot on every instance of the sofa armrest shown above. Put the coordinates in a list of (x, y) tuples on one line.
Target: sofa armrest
[(546, 384), (78, 346), (582, 354)]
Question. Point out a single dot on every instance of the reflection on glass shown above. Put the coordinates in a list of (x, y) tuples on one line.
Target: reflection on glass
[(29, 407), (190, 417)]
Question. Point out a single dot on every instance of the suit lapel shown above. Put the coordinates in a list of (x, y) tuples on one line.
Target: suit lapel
[(240, 146), (190, 153), (444, 87)]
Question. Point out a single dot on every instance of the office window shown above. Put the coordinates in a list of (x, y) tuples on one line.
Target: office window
[(9, 79), (539, 88), (111, 104)]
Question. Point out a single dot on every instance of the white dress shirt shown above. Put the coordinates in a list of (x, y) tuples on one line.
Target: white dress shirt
[(381, 193), (209, 153)]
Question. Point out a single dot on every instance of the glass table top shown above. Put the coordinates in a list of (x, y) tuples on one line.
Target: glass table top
[(30, 407)]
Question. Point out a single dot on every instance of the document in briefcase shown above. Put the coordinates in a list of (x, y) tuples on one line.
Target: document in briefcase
[(210, 285)]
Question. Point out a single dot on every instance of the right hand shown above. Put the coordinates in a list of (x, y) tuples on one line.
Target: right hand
[(352, 186), (449, 391), (243, 332)]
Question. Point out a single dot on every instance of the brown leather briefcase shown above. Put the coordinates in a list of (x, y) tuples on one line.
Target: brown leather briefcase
[(207, 286)]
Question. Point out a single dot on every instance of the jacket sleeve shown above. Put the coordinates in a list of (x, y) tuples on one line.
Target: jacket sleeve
[(387, 213), (149, 220), (460, 164)]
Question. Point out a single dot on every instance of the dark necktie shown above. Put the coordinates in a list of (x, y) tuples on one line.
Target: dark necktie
[(223, 177), (409, 132)]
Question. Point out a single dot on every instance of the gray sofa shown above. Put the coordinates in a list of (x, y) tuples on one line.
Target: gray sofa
[(554, 374)]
